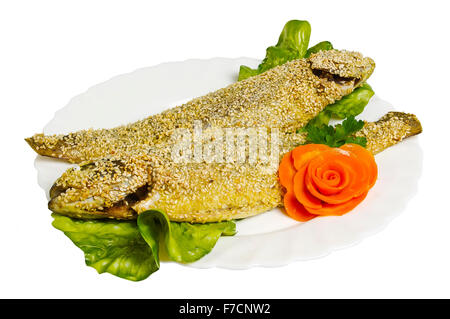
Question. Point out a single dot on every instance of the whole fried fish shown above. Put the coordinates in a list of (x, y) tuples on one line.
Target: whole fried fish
[(122, 187), (285, 97)]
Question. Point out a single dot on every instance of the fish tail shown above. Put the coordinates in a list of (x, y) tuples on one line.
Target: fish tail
[(389, 130)]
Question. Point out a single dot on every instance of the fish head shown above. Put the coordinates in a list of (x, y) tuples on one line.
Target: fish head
[(102, 188), (347, 69)]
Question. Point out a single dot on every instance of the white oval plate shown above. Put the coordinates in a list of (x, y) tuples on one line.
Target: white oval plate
[(269, 239)]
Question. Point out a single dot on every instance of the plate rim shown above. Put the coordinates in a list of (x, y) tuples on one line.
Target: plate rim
[(206, 262)]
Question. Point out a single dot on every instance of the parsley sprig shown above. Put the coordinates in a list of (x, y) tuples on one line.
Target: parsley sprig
[(336, 136)]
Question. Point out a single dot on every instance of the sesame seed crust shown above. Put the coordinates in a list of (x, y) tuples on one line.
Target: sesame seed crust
[(351, 64), (286, 97), (194, 192), (128, 169), (389, 130)]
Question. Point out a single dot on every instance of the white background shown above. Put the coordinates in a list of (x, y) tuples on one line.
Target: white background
[(53, 50)]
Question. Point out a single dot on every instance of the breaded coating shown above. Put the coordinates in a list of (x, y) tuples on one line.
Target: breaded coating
[(351, 64), (195, 192), (285, 97), (389, 130)]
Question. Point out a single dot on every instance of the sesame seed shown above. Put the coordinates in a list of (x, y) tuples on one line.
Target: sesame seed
[(128, 169)]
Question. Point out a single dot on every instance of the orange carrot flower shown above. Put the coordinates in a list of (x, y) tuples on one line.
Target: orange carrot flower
[(324, 181)]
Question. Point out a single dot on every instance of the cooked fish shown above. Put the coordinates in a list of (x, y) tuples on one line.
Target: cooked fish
[(286, 97), (122, 187)]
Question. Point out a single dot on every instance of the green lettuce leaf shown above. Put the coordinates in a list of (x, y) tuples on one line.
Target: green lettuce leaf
[(351, 104), (110, 246), (292, 44), (184, 242), (130, 249), (323, 118), (321, 46), (245, 72)]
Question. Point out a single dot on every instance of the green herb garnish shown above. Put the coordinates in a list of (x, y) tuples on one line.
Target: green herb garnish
[(336, 136)]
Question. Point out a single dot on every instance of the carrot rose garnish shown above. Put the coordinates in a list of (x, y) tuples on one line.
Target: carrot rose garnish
[(324, 181)]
